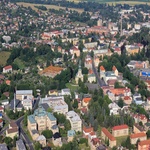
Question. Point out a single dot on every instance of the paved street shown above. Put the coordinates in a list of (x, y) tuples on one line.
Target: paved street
[(99, 81)]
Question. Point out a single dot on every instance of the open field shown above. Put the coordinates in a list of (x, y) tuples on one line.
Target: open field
[(3, 57), (128, 2), (114, 2), (47, 6)]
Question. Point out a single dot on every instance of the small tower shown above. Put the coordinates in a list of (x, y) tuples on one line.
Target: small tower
[(79, 74), (99, 22)]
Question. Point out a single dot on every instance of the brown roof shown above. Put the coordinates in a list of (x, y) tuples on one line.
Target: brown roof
[(12, 130), (13, 124), (51, 69), (137, 135), (146, 142), (108, 134)]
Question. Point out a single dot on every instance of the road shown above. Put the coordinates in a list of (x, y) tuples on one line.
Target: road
[(22, 134), (99, 81)]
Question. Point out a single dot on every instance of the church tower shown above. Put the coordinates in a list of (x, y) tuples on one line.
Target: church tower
[(79, 74)]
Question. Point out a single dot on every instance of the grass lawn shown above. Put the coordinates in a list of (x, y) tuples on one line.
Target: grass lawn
[(3, 57), (47, 6), (121, 139), (72, 87), (84, 147), (19, 63)]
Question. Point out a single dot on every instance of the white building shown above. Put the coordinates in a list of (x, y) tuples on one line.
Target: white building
[(57, 103), (23, 94), (7, 69), (27, 103), (65, 92), (76, 122), (114, 108)]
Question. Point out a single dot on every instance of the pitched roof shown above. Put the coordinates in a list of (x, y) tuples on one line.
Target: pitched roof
[(146, 142), (87, 99), (102, 68), (137, 135), (114, 68), (108, 134), (88, 129), (120, 127), (12, 130), (8, 67)]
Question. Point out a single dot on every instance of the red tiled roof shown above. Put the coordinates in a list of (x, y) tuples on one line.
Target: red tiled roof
[(120, 127), (114, 68), (7, 67), (87, 99), (88, 129), (1, 120), (146, 142), (102, 68), (137, 135), (127, 98), (108, 134)]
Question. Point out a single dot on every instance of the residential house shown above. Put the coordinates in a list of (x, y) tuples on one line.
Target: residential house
[(70, 135), (87, 131), (57, 103), (20, 145), (106, 135), (1, 109), (120, 130), (127, 100), (147, 104), (3, 147), (66, 92), (134, 64), (85, 101), (53, 92), (7, 69), (96, 61), (114, 108), (42, 140), (140, 118), (145, 72), (23, 94), (56, 139), (137, 99), (12, 130), (88, 63), (94, 143), (138, 136), (75, 121), (1, 123), (131, 49), (144, 145), (75, 51), (91, 136), (138, 129), (39, 121)]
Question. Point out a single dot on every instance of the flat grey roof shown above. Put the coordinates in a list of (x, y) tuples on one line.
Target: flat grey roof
[(24, 92), (3, 147), (20, 145)]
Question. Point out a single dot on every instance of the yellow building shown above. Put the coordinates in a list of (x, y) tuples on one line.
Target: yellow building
[(121, 130), (40, 120), (12, 130)]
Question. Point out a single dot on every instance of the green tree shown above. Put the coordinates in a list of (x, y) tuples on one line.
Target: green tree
[(75, 104), (148, 134), (47, 133), (67, 125), (37, 146), (120, 103)]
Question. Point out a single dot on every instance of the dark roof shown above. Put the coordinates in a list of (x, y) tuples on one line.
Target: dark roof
[(17, 102), (101, 147), (45, 106), (56, 135), (46, 148)]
